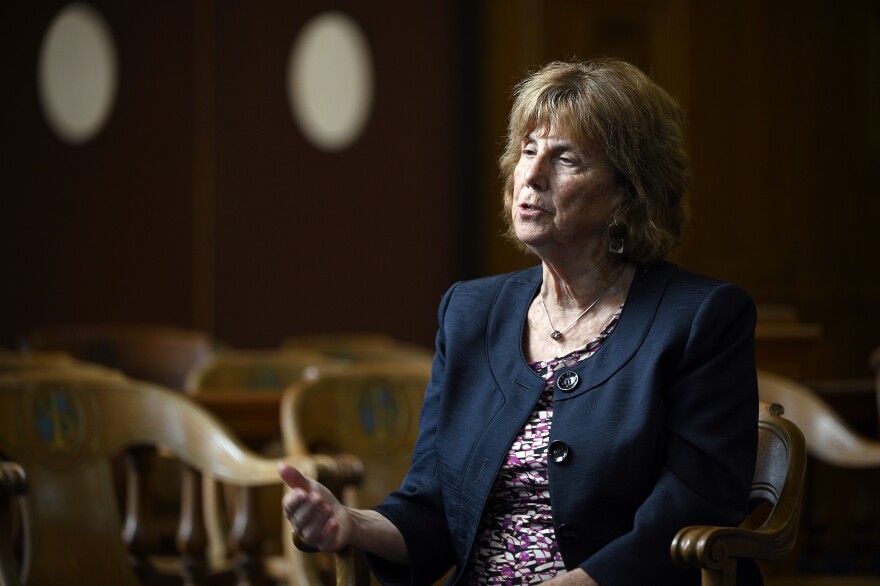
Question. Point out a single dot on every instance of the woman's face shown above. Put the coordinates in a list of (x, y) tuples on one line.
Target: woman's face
[(563, 196)]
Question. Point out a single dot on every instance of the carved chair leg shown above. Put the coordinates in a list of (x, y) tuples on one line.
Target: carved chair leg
[(12, 482), (351, 569), (246, 540), (140, 533), (191, 535)]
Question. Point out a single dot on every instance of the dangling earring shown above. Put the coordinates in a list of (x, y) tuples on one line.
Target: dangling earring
[(616, 237)]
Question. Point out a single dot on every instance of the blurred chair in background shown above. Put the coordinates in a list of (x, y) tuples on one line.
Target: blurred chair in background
[(243, 388), (155, 353), (875, 364), (370, 411), (19, 361), (832, 513), (160, 354), (12, 484), (255, 370), (359, 347), (62, 428), (783, 343)]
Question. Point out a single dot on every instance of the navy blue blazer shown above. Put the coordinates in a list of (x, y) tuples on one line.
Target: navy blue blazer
[(660, 428)]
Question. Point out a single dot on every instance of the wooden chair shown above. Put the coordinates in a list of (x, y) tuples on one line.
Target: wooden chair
[(61, 428), (834, 445), (784, 343), (256, 370), (12, 484), (778, 482), (160, 354), (370, 411), (18, 361), (875, 365), (244, 388), (359, 348), (829, 437), (156, 353)]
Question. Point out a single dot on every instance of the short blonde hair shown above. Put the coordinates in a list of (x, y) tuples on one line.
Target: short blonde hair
[(613, 109)]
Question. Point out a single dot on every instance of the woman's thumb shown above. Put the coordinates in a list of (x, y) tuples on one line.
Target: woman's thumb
[(292, 477)]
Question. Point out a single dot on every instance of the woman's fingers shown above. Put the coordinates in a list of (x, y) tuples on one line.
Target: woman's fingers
[(321, 529), (309, 509)]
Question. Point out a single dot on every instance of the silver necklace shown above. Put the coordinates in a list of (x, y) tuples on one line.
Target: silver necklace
[(558, 334)]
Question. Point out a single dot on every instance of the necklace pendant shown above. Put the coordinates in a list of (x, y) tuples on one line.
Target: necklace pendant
[(556, 335)]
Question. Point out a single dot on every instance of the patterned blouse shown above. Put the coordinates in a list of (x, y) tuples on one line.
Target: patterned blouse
[(516, 543)]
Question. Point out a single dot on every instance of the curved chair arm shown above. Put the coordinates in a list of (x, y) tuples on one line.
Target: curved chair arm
[(778, 480), (12, 482), (12, 479), (830, 438), (711, 547), (334, 471)]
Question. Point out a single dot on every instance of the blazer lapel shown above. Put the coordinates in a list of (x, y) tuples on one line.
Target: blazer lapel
[(638, 315), (506, 326), (507, 322)]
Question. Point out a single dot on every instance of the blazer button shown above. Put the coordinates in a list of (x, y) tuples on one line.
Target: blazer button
[(567, 381), (569, 533), (558, 451)]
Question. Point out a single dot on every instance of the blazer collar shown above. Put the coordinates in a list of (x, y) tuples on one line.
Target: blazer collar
[(507, 321)]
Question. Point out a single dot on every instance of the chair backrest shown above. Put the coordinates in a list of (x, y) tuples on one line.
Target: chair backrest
[(256, 370), (840, 499), (160, 354), (11, 361), (21, 360), (829, 437), (874, 360), (12, 483), (779, 478), (770, 532), (370, 411), (244, 387), (356, 348), (64, 428)]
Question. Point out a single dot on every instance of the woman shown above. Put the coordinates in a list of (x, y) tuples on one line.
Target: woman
[(581, 412)]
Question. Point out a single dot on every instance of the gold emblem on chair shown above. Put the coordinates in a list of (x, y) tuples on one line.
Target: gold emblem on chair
[(383, 416), (61, 422)]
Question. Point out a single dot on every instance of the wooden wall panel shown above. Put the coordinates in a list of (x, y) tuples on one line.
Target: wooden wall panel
[(524, 35), (786, 200), (201, 205), (99, 231), (783, 106), (309, 241), (189, 207)]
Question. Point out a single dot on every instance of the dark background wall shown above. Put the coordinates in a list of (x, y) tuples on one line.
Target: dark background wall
[(201, 204)]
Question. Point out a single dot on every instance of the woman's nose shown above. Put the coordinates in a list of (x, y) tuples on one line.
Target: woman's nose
[(536, 172)]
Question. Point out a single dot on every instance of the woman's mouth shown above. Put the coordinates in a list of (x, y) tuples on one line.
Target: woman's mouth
[(529, 209)]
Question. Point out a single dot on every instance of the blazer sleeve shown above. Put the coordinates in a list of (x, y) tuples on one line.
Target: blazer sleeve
[(416, 509), (710, 446)]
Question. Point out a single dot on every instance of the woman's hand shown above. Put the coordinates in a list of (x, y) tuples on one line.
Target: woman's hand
[(326, 524), (315, 514)]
